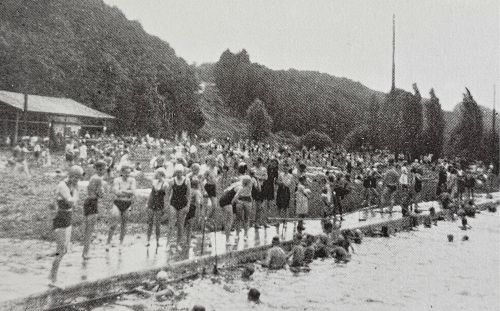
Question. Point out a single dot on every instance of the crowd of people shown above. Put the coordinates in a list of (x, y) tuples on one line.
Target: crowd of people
[(193, 180)]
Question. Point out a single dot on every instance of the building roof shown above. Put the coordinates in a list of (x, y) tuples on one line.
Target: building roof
[(51, 105)]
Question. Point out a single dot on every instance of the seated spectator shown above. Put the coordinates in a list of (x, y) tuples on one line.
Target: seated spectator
[(340, 255), (297, 252), (276, 256)]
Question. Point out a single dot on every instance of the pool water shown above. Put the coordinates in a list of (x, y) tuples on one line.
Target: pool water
[(417, 270)]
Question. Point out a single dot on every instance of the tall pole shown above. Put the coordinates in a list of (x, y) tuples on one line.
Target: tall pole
[(393, 52), (494, 138), (494, 111)]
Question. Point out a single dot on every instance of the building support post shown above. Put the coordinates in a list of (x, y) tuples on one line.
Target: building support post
[(16, 128), (25, 115)]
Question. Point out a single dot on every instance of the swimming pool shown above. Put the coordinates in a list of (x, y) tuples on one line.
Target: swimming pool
[(417, 270)]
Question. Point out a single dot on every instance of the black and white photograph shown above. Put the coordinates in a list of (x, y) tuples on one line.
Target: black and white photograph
[(207, 155)]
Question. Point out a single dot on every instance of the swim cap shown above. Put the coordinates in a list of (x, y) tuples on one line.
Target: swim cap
[(161, 171), (179, 168), (76, 171)]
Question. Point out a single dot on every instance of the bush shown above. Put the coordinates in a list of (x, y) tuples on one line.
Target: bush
[(316, 139)]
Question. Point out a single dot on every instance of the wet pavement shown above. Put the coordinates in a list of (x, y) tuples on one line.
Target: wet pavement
[(25, 264)]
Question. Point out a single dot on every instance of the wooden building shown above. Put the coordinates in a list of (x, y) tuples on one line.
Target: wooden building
[(33, 115)]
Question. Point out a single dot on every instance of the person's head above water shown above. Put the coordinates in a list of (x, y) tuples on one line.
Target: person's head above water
[(276, 241), (253, 295), (198, 308), (248, 272), (297, 238)]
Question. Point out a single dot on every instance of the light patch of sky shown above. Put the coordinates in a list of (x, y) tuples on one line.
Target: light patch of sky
[(446, 44)]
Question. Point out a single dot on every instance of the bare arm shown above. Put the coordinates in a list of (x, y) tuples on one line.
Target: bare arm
[(188, 192), (237, 196)]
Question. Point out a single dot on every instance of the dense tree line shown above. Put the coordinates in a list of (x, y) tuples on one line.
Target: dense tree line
[(90, 52), (466, 139), (346, 112), (297, 101), (434, 124)]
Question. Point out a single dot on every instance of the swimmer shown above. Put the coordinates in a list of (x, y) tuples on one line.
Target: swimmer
[(297, 252), (276, 256), (340, 255), (254, 295)]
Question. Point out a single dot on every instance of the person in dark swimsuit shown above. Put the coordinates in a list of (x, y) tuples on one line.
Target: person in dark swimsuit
[(124, 190), (391, 181), (156, 204), (95, 191), (417, 186), (267, 191), (180, 199), (67, 196), (210, 188), (283, 193), (442, 180), (193, 215)]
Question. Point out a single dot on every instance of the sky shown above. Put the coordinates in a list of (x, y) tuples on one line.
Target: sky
[(445, 44)]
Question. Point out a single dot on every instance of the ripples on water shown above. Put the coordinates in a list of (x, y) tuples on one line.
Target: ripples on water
[(417, 270)]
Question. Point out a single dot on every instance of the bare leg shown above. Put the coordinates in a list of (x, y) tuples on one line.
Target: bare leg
[(111, 232), (123, 226), (181, 218), (246, 217), (188, 229), (228, 221), (157, 223), (61, 249), (151, 219), (90, 222)]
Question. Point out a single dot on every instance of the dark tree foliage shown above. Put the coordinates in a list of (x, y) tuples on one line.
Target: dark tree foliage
[(358, 137), (491, 149), (412, 124), (467, 136), (297, 101), (259, 121), (434, 124), (391, 120), (401, 122), (373, 135), (90, 52)]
